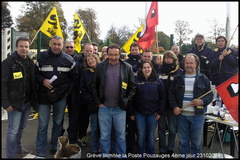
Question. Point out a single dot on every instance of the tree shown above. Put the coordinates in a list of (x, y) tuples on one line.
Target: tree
[(164, 40), (35, 13), (119, 35), (163, 43), (182, 30), (7, 21), (217, 29), (89, 20)]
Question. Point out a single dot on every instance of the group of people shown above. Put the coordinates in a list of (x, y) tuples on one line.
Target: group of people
[(125, 101)]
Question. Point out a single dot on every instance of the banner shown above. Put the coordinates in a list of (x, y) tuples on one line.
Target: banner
[(134, 38), (79, 32), (147, 35), (51, 25), (228, 91)]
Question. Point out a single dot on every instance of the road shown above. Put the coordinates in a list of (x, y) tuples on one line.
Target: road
[(30, 132)]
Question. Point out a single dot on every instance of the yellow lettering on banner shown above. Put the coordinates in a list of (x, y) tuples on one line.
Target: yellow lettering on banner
[(79, 32), (124, 85), (51, 25), (17, 75), (134, 38)]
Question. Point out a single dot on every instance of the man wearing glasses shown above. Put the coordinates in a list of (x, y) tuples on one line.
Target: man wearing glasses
[(113, 87), (73, 100)]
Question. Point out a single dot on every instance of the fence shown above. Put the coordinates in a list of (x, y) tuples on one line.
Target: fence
[(9, 37)]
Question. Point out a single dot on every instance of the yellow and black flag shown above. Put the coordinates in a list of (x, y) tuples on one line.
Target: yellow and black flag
[(134, 38), (79, 32), (51, 25)]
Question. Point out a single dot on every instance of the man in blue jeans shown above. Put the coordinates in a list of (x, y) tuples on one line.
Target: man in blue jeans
[(113, 86), (185, 90), (50, 63), (19, 93)]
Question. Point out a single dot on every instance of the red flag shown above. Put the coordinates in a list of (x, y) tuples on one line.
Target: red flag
[(147, 35), (228, 91)]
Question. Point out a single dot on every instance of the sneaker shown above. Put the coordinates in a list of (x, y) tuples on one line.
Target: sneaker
[(83, 141), (39, 157), (23, 152)]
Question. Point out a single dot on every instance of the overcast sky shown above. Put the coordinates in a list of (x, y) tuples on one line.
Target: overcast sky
[(197, 14)]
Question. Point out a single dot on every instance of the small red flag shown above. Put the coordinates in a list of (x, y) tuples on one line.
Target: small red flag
[(147, 35), (228, 91)]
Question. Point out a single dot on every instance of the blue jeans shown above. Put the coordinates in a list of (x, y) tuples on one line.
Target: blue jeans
[(168, 119), (17, 121), (146, 126), (95, 132), (115, 117), (190, 130), (43, 121)]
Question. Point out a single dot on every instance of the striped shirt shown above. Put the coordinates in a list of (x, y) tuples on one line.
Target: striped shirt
[(188, 95)]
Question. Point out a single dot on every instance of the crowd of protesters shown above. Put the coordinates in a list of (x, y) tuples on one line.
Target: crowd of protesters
[(124, 102)]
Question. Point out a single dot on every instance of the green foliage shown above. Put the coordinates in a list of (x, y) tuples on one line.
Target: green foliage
[(35, 13), (119, 35), (164, 40), (185, 48), (7, 21), (89, 20)]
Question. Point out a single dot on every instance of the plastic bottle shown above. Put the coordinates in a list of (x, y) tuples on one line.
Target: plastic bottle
[(219, 102)]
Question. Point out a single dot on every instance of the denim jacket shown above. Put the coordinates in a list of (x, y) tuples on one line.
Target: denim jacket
[(201, 86)]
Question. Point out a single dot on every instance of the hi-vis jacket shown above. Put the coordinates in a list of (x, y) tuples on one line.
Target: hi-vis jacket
[(63, 66)]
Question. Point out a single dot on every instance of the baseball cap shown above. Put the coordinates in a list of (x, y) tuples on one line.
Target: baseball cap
[(199, 35)]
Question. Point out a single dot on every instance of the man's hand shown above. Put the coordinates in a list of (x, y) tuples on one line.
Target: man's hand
[(100, 105), (47, 84), (9, 109), (157, 117), (177, 110), (196, 102), (224, 53), (132, 118)]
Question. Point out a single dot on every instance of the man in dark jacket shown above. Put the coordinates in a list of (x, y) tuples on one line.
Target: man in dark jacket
[(113, 87), (202, 51), (134, 56), (184, 94), (18, 95), (50, 63), (131, 129), (74, 99)]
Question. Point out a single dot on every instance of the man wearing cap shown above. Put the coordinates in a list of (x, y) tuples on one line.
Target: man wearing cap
[(202, 51)]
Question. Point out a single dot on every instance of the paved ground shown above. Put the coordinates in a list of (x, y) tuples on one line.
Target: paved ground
[(29, 138)]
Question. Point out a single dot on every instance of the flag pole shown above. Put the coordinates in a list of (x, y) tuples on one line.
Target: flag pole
[(34, 36), (88, 37), (232, 36), (199, 98), (157, 40)]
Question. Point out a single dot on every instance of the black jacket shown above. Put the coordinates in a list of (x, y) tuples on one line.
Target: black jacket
[(14, 81), (86, 90), (128, 86), (150, 96), (203, 54), (64, 67)]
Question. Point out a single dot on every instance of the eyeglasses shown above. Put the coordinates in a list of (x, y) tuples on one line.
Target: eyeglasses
[(69, 47), (115, 55)]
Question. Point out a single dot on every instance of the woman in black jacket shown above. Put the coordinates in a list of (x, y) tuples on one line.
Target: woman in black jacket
[(148, 106)]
